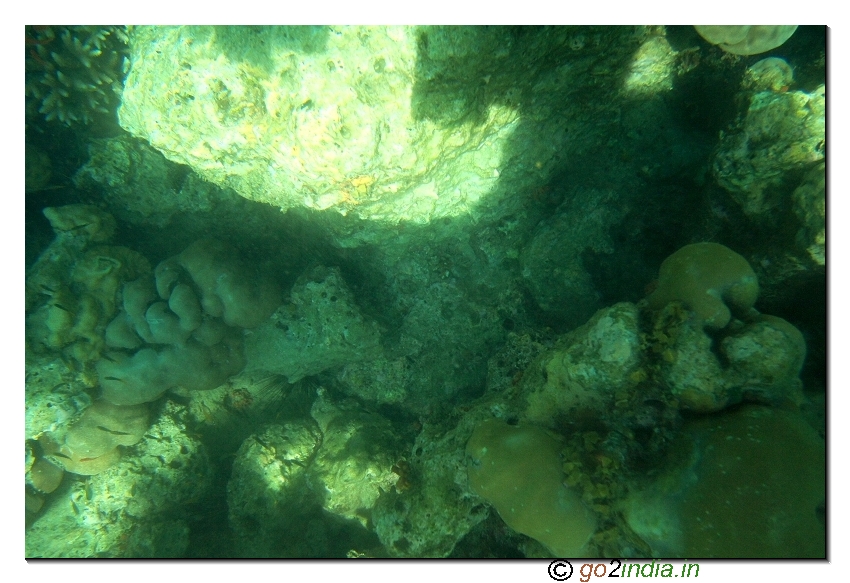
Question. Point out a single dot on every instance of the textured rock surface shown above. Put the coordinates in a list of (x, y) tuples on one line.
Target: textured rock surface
[(320, 328), (581, 375), (781, 134), (388, 124)]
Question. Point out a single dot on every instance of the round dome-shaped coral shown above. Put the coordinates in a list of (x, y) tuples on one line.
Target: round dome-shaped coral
[(746, 40), (711, 280), (518, 470)]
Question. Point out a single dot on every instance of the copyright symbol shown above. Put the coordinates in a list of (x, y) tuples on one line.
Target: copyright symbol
[(560, 570)]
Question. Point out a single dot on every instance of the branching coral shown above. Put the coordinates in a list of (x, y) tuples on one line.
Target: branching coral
[(74, 73)]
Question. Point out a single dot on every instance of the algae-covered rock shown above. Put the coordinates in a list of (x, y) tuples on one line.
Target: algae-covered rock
[(431, 508), (782, 134), (757, 361), (810, 208), (322, 327), (580, 376), (765, 359), (559, 281), (518, 470), (692, 370), (268, 487), (745, 484), (711, 280), (355, 464), (314, 116), (385, 124)]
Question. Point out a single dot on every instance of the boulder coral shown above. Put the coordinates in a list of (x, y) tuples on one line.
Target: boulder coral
[(746, 40), (711, 280), (518, 471), (745, 484)]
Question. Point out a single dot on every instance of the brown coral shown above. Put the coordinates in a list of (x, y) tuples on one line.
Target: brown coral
[(709, 279)]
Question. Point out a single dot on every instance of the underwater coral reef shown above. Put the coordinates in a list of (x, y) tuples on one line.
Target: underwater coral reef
[(425, 291)]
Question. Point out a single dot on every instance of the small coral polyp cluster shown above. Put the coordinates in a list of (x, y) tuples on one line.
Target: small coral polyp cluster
[(74, 73)]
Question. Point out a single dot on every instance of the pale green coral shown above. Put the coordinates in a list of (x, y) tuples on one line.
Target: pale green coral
[(74, 73), (746, 40)]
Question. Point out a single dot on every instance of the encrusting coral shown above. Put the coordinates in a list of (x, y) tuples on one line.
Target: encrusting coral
[(91, 444)]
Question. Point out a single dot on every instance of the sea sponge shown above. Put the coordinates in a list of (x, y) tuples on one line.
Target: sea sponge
[(518, 470), (746, 40), (709, 279)]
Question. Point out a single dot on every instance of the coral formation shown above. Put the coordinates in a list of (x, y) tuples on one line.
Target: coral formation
[(711, 280), (433, 367), (181, 328), (746, 40), (72, 288), (74, 73), (770, 74), (138, 507), (319, 328), (91, 444), (518, 470), (581, 375), (746, 484), (782, 133)]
